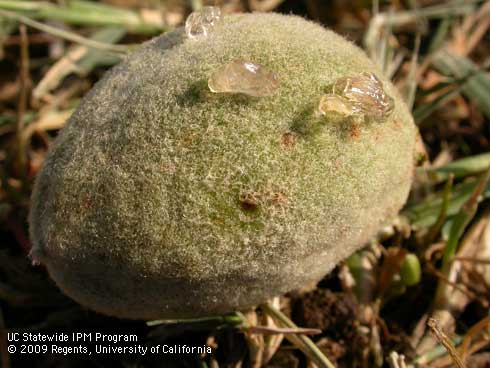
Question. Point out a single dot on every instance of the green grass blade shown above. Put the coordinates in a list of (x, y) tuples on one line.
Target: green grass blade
[(94, 57), (460, 168), (475, 83), (85, 13), (425, 214), (425, 110), (463, 218), (458, 226)]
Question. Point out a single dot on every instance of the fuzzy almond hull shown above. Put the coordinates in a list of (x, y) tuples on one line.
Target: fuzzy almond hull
[(161, 199)]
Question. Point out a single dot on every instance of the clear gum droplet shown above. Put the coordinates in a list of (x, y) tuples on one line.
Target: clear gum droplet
[(365, 94), (246, 77), (334, 104), (200, 22), (360, 96)]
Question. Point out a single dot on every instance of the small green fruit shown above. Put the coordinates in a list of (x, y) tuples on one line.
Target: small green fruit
[(410, 271), (161, 199)]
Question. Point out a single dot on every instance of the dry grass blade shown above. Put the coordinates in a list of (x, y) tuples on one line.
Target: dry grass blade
[(471, 361), (435, 353), (446, 280), (263, 335), (469, 335), (404, 18), (396, 360), (302, 342), (255, 342), (446, 342), (52, 120), (472, 260), (78, 59), (264, 5), (472, 30), (271, 342), (22, 103)]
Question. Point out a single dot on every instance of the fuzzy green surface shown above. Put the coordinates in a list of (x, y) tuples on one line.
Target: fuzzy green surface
[(137, 213)]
